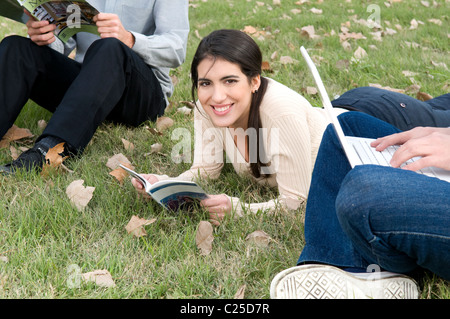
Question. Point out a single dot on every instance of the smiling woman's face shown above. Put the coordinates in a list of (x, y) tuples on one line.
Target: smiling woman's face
[(225, 92)]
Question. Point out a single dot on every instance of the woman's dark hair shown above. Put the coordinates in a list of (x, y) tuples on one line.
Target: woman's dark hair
[(236, 47)]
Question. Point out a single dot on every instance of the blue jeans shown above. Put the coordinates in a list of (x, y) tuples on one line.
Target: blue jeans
[(399, 220), (400, 110)]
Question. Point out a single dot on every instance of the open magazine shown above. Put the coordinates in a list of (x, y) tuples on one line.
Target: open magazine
[(172, 194), (70, 17)]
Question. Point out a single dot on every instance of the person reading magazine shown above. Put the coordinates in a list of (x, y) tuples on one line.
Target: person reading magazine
[(121, 75)]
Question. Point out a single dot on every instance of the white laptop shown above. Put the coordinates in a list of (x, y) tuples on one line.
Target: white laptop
[(358, 149)]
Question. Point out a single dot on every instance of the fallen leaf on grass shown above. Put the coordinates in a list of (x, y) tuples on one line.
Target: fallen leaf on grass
[(119, 173), (15, 133), (259, 237), (14, 152), (117, 159), (101, 278), (376, 85), (265, 66), (310, 90), (184, 110), (360, 53), (79, 195), (240, 292), (54, 160), (136, 225), (308, 32), (204, 237), (128, 145), (422, 96), (286, 59), (163, 123)]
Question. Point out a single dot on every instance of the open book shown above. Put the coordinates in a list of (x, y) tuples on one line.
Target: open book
[(70, 17), (172, 194)]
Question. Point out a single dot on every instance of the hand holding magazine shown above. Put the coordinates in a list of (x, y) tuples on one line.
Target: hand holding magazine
[(70, 17), (171, 194)]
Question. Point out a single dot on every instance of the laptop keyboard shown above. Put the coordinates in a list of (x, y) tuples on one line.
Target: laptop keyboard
[(369, 155)]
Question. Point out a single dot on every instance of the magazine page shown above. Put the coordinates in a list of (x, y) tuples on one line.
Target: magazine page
[(175, 195), (70, 17), (13, 10), (139, 178)]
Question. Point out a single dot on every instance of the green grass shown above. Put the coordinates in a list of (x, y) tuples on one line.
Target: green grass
[(42, 234)]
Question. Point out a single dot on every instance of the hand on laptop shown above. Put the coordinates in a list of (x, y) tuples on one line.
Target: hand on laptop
[(431, 143)]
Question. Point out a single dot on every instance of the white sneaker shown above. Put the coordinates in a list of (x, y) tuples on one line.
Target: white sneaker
[(328, 282)]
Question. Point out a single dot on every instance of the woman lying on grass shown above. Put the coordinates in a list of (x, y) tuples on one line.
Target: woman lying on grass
[(267, 130)]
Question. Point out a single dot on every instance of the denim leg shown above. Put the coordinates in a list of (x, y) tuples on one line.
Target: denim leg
[(325, 240), (400, 110), (399, 220)]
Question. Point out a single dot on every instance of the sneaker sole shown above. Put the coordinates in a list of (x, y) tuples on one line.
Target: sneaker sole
[(327, 282)]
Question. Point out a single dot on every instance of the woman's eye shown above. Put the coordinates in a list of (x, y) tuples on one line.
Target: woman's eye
[(203, 83)]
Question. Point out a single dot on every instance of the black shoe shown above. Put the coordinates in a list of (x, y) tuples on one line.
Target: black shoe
[(32, 159)]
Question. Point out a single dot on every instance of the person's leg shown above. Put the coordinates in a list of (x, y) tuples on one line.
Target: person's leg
[(397, 219), (29, 71), (322, 270), (114, 83), (325, 241), (400, 110)]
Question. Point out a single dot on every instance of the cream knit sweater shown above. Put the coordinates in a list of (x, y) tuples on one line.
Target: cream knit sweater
[(292, 133)]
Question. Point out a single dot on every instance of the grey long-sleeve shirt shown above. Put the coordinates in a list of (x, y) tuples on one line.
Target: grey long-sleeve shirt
[(160, 28)]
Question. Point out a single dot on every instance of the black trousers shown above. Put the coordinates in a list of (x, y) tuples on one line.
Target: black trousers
[(400, 110), (112, 83)]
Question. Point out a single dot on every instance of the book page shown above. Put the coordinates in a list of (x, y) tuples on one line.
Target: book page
[(174, 194)]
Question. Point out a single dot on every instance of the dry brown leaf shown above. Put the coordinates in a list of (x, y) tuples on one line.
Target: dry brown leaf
[(184, 110), (286, 59), (240, 292), (119, 173), (360, 53), (188, 104), (422, 96), (259, 238), (376, 85), (53, 157), (163, 123), (79, 195), (14, 152), (155, 148), (311, 90), (265, 66), (308, 32), (15, 133), (342, 64), (117, 159), (42, 124), (249, 29), (136, 225), (128, 145), (101, 278), (204, 237)]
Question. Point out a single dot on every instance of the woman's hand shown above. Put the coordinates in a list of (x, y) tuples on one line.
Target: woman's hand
[(218, 206), (140, 188), (40, 32), (432, 144), (110, 26)]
